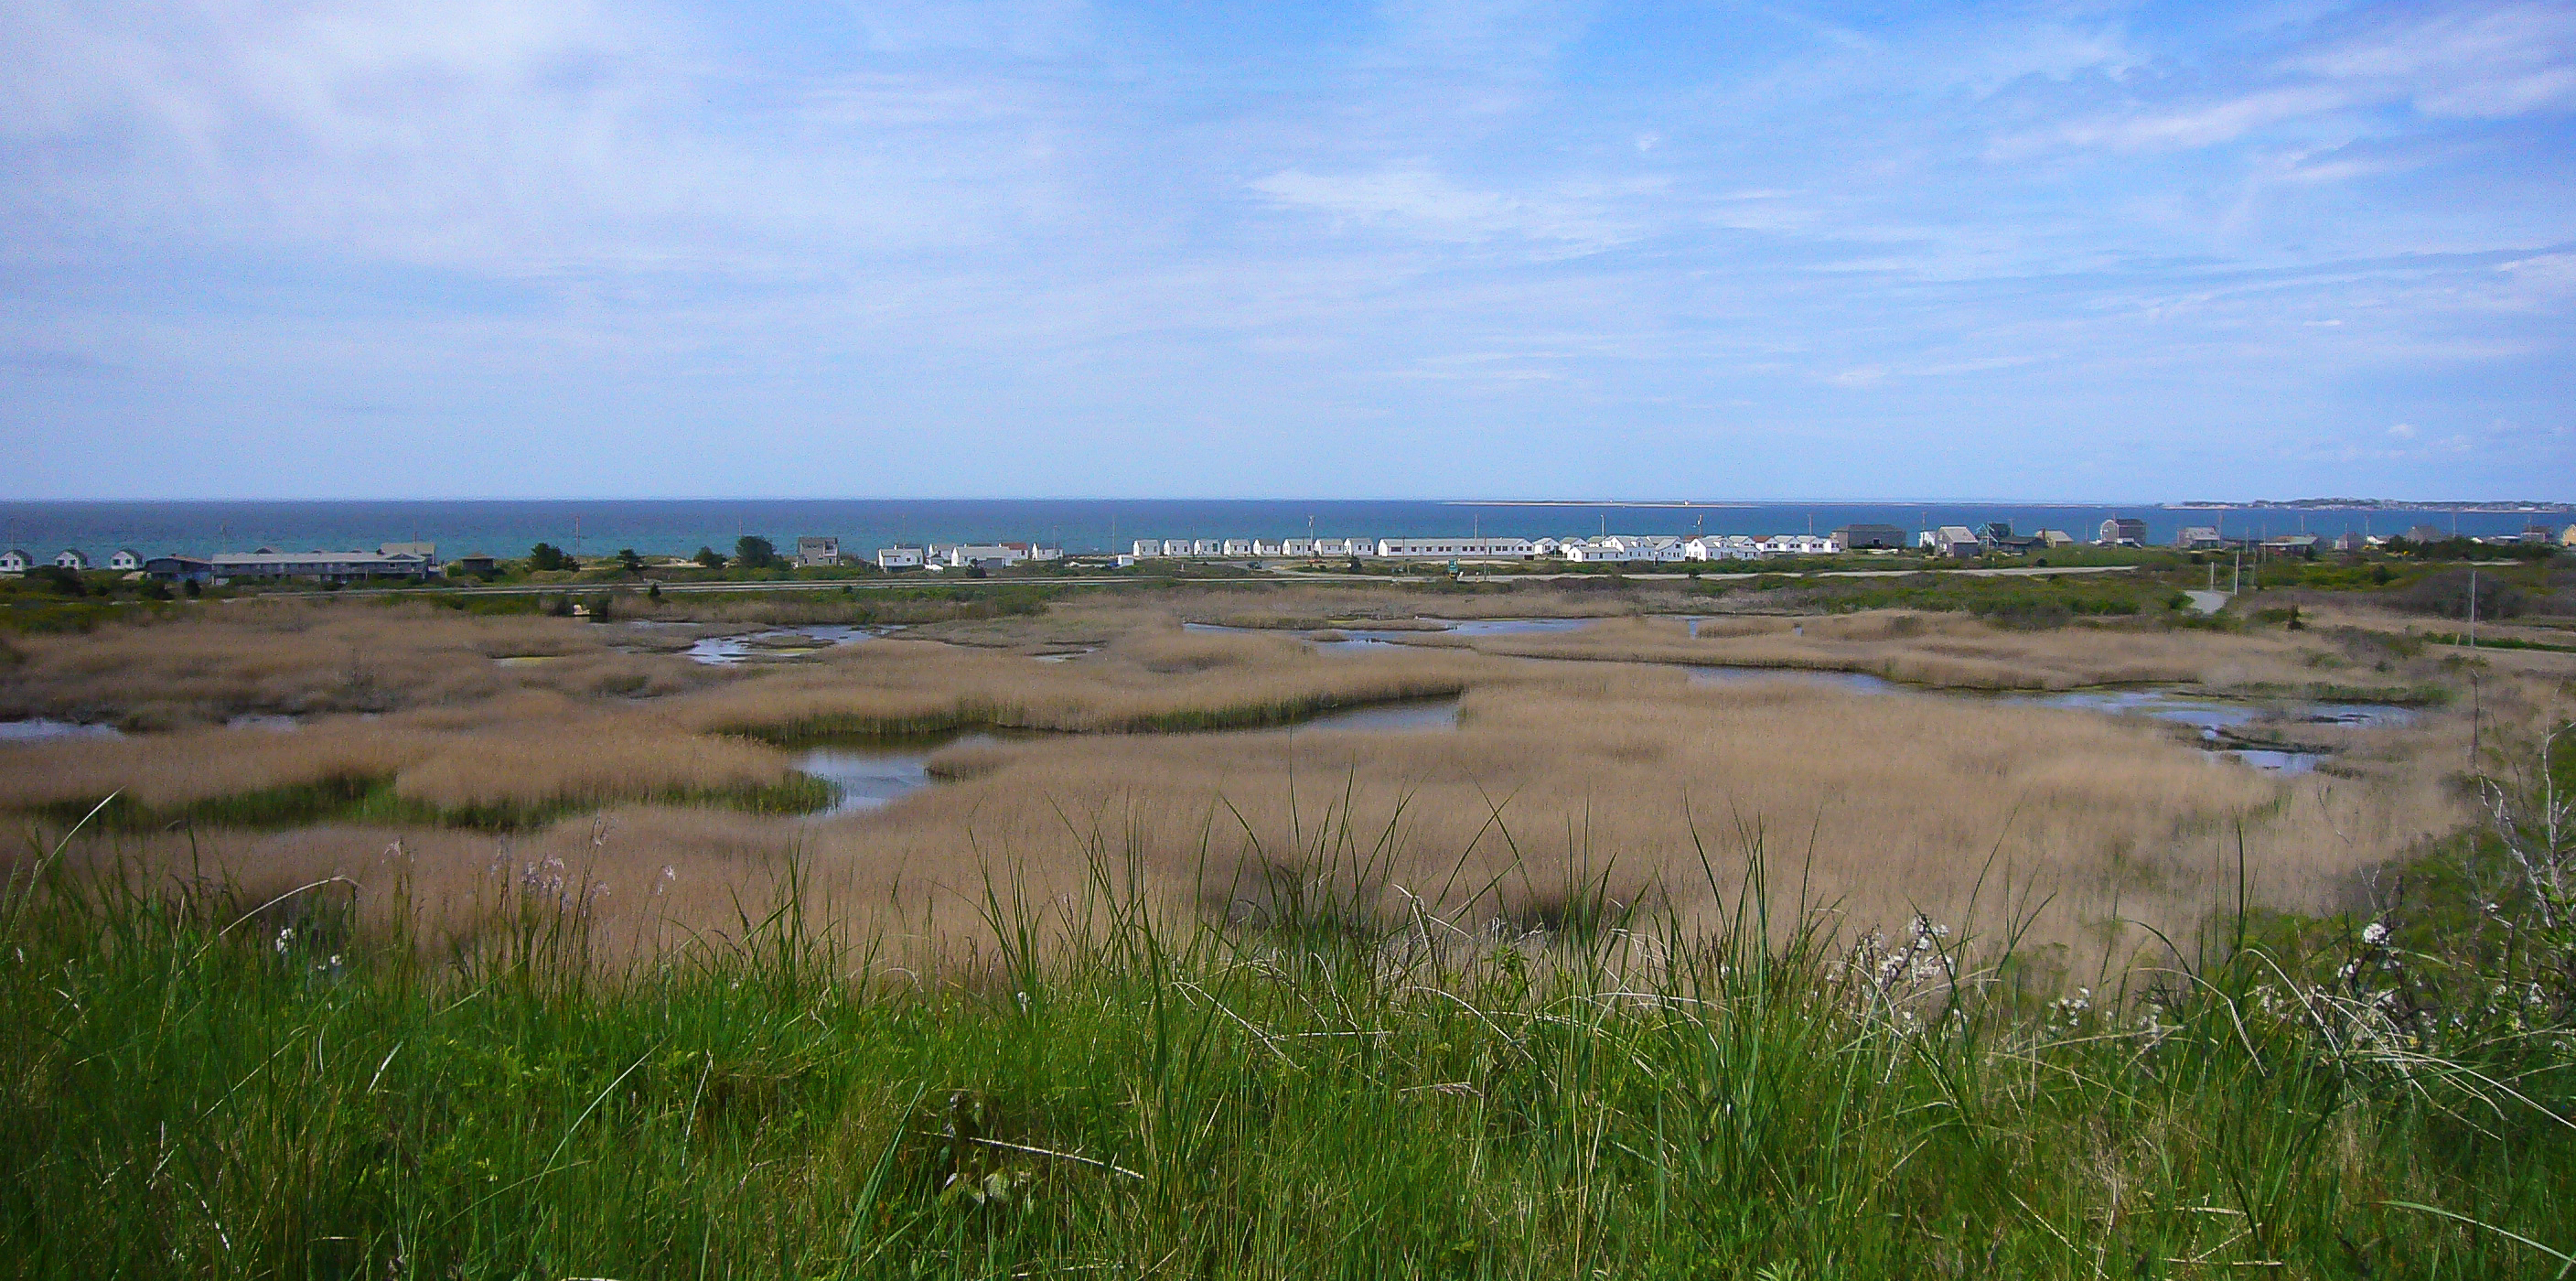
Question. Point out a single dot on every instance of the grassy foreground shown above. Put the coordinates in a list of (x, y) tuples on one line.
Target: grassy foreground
[(195, 1085)]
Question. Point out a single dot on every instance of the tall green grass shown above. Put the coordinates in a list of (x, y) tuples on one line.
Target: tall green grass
[(195, 1084)]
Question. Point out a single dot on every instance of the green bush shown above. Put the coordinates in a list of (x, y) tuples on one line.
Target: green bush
[(752, 551)]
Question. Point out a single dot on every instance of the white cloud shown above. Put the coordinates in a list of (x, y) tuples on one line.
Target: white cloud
[(2199, 126), (1038, 219), (2488, 63), (515, 138), (2403, 431), (1421, 203), (2464, 63)]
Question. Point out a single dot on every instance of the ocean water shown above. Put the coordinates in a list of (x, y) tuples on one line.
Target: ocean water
[(678, 527)]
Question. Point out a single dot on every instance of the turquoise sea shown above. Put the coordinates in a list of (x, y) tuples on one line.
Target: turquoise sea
[(596, 527)]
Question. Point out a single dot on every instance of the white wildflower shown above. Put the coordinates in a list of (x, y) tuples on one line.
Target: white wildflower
[(2374, 934)]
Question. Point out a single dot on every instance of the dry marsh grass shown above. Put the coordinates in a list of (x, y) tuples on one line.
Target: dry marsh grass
[(1950, 650), (1143, 681), (234, 658), (1905, 804), (1559, 771), (1609, 780), (551, 752), (168, 771), (593, 725)]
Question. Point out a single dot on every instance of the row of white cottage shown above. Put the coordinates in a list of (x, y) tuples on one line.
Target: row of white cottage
[(15, 560), (1618, 548)]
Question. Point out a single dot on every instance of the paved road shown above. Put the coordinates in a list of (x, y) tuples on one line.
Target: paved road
[(2014, 571), (1272, 575), (683, 589)]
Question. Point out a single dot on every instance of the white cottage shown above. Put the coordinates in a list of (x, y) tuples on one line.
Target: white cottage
[(15, 561), (1718, 547), (126, 558), (1796, 545), (71, 558), (988, 555), (1651, 548)]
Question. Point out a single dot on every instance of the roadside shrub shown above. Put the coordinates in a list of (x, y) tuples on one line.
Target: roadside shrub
[(2446, 595), (61, 580)]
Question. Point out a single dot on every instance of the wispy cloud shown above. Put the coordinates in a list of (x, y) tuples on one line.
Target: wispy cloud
[(2466, 62), (1419, 202), (596, 236), (2470, 61)]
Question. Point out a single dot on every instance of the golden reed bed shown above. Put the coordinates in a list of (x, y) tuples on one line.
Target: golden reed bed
[(1601, 773)]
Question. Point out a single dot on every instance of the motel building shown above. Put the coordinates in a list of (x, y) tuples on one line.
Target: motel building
[(394, 560), (1437, 548)]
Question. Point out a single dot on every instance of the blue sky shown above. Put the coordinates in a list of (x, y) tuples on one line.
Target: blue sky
[(554, 248)]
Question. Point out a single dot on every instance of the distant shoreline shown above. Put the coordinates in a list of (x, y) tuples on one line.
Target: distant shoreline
[(1582, 502), (2491, 508), (2374, 504)]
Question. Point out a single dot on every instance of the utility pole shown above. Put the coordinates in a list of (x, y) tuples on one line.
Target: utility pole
[(2473, 607)]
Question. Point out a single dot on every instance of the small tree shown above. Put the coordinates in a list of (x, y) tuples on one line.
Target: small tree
[(547, 557), (629, 562), (709, 558), (61, 580), (751, 551)]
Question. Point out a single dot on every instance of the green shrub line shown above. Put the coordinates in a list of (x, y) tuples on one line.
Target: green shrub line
[(1325, 1079), (371, 798), (2496, 642), (972, 715)]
